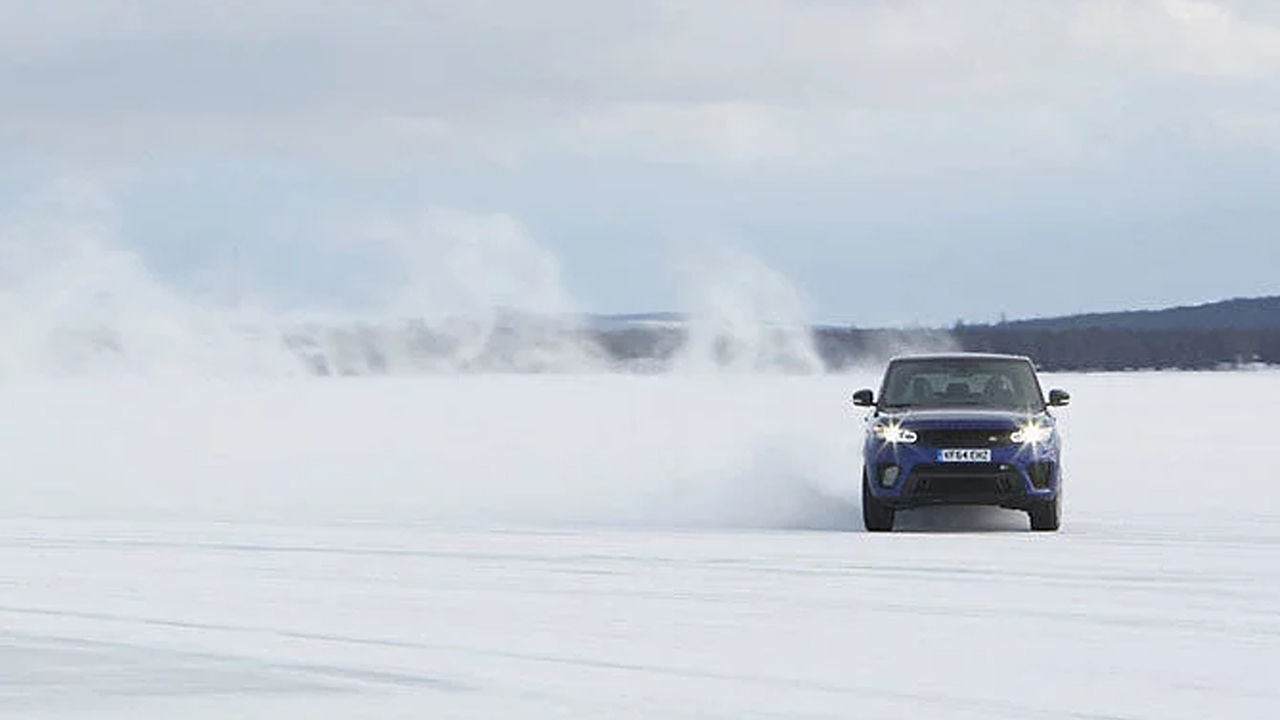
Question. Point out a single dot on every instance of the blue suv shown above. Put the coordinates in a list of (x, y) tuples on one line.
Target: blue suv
[(961, 429)]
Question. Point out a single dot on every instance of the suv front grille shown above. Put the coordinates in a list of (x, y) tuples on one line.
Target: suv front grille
[(964, 481), (964, 437)]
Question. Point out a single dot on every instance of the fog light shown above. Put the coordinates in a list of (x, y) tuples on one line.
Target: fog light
[(889, 475)]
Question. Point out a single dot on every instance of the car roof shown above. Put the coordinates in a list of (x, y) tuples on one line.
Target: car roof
[(961, 356)]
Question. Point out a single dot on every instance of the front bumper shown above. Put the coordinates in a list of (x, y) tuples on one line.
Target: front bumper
[(910, 475)]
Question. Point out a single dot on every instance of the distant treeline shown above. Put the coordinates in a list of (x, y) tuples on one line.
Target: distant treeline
[(1068, 349), (1052, 349), (1239, 314), (362, 350), (1114, 349), (1228, 334)]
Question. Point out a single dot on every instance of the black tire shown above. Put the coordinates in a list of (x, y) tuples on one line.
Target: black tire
[(875, 516), (1046, 517)]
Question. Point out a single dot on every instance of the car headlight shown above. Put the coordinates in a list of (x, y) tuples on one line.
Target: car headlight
[(894, 433), (1033, 433)]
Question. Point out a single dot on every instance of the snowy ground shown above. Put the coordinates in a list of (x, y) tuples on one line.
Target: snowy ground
[(617, 547)]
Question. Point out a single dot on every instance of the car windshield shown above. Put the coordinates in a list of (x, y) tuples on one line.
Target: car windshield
[(962, 382)]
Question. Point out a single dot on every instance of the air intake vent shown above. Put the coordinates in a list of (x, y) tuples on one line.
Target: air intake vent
[(1041, 474)]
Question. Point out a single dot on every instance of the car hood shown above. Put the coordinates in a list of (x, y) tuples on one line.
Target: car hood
[(961, 417)]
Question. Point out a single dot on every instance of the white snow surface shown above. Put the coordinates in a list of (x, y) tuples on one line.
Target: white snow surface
[(617, 546)]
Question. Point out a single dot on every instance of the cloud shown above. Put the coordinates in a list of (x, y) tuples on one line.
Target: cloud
[(822, 133), (733, 132), (720, 81), (1183, 37)]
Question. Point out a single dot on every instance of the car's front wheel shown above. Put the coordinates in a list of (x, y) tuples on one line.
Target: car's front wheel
[(876, 517), (1046, 517)]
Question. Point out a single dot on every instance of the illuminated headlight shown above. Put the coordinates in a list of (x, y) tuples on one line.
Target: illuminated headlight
[(1033, 433), (894, 433)]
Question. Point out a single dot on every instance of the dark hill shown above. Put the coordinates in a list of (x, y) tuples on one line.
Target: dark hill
[(1226, 334), (1238, 314)]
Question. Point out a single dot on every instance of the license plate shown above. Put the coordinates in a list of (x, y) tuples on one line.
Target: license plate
[(964, 456)]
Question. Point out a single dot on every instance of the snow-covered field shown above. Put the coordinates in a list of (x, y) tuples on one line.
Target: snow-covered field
[(616, 546)]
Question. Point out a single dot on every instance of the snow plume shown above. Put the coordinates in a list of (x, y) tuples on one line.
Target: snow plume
[(460, 263), (75, 302), (461, 292), (744, 316), (479, 293), (877, 347), (602, 449), (467, 293)]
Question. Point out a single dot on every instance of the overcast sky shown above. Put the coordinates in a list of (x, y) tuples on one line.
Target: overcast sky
[(901, 162)]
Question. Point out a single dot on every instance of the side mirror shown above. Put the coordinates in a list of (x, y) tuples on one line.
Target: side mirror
[(864, 398), (1059, 398)]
